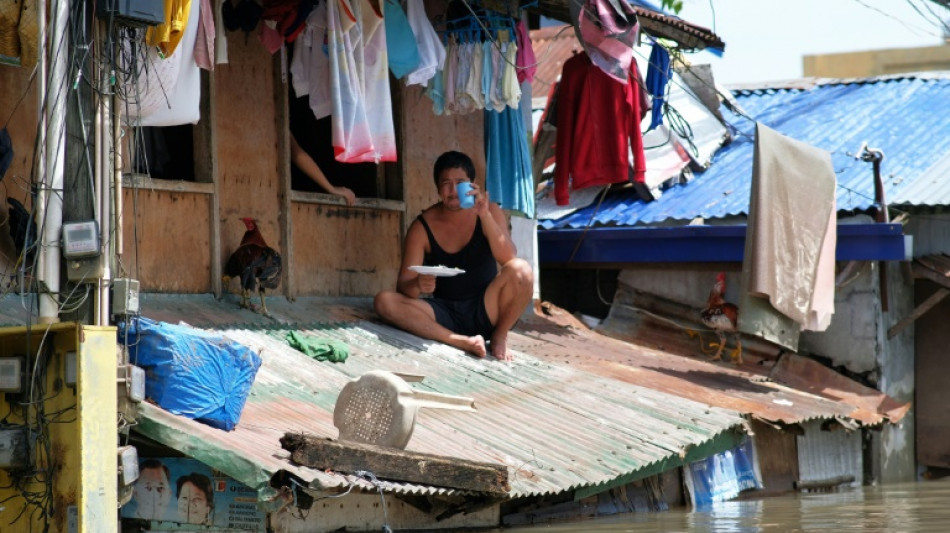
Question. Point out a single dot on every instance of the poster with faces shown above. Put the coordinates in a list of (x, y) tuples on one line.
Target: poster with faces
[(186, 491)]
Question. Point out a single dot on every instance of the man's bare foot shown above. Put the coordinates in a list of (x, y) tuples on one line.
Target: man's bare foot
[(473, 345), (499, 347)]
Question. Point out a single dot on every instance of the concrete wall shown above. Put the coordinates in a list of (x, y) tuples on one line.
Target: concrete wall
[(856, 340), (897, 378), (852, 338), (931, 234), (877, 62)]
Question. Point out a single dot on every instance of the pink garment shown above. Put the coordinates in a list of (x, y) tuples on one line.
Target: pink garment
[(609, 37), (270, 37), (527, 63), (344, 39), (381, 145), (204, 45)]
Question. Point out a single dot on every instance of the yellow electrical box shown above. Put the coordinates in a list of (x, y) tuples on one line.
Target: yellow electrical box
[(58, 428)]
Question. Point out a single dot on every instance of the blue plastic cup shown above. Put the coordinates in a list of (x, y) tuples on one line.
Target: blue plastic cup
[(462, 189)]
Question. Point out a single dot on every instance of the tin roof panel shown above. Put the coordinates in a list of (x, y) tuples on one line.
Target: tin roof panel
[(900, 116)]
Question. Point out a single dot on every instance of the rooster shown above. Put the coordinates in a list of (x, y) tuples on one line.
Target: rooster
[(722, 317), (255, 263)]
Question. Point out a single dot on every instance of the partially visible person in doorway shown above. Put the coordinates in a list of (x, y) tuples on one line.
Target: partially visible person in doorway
[(302, 160), (472, 311), (195, 499), (152, 491)]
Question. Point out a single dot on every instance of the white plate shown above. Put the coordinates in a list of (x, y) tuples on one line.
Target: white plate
[(438, 271)]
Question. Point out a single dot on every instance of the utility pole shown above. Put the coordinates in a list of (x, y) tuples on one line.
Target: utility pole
[(78, 192)]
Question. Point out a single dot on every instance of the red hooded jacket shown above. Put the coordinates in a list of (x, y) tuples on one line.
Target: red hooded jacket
[(598, 123)]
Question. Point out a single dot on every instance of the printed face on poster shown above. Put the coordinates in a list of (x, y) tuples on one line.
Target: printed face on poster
[(187, 491)]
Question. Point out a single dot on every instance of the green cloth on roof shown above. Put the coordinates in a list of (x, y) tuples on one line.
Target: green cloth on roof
[(319, 348)]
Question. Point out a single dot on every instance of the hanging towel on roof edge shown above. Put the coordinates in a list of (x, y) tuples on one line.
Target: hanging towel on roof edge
[(792, 207)]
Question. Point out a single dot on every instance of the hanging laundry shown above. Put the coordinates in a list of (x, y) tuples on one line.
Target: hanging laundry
[(508, 176), (598, 125), (792, 207), (204, 43), (658, 77), (220, 36), (169, 89), (379, 112), (287, 16), (431, 51), (310, 63), (510, 88), (609, 29), (362, 120), (400, 42), (344, 37), (242, 15), (527, 62), (435, 90), (481, 66), (167, 35)]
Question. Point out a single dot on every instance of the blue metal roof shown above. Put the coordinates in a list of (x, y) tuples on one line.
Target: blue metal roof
[(908, 118)]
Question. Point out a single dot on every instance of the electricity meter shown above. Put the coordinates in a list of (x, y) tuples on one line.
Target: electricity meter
[(80, 239)]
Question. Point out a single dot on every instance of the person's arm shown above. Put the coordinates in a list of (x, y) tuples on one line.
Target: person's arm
[(495, 228), (410, 283), (308, 166)]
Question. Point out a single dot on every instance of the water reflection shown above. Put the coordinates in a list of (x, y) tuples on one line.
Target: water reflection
[(909, 507)]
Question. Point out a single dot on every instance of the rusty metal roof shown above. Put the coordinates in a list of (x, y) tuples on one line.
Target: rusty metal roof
[(577, 411), (557, 428), (553, 46), (689, 36)]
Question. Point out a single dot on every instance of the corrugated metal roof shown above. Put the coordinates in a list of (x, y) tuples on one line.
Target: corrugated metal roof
[(652, 20), (907, 117), (553, 46), (556, 428), (669, 359), (575, 411)]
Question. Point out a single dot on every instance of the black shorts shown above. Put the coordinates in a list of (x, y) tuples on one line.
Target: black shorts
[(466, 317)]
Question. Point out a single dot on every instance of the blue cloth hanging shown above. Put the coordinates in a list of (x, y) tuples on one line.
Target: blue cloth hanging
[(400, 41), (658, 77), (508, 177)]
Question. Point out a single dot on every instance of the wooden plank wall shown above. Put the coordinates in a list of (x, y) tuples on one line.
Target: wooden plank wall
[(14, 85), (166, 240), (343, 251), (246, 146), (931, 338), (425, 136)]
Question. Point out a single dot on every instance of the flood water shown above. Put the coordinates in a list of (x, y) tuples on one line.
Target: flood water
[(904, 507)]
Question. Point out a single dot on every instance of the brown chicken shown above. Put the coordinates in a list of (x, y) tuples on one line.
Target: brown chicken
[(256, 264), (722, 317)]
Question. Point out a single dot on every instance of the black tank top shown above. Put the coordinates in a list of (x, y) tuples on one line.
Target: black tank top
[(475, 258)]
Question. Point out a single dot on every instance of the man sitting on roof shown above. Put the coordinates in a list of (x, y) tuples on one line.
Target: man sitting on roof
[(481, 303)]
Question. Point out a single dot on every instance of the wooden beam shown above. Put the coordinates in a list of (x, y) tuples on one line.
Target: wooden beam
[(924, 271), (396, 465), (285, 188), (934, 299)]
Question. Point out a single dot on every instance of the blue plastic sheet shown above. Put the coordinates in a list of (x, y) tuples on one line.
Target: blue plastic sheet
[(723, 476), (191, 372)]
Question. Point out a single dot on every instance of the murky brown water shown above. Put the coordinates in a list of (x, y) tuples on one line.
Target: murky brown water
[(906, 507)]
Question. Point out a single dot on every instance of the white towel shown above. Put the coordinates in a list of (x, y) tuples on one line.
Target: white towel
[(793, 229)]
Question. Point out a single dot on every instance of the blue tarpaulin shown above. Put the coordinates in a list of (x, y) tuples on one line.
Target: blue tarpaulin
[(191, 372), (723, 476)]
